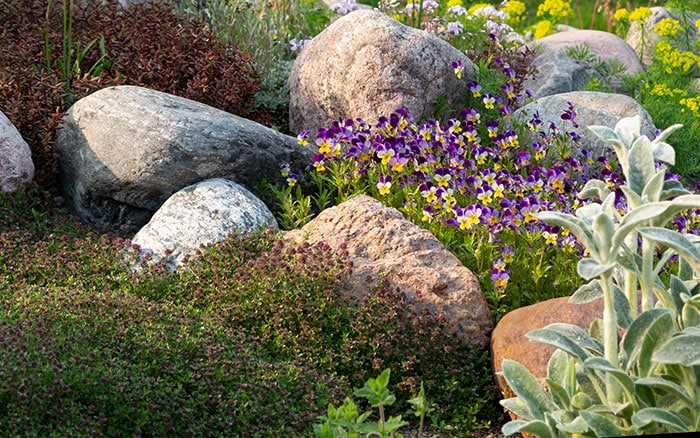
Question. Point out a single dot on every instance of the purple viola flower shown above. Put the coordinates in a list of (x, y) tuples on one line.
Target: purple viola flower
[(500, 278)]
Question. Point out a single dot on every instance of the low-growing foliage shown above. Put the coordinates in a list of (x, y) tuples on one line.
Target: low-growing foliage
[(252, 339)]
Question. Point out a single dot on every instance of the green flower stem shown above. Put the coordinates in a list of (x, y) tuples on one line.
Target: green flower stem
[(610, 335), (647, 280)]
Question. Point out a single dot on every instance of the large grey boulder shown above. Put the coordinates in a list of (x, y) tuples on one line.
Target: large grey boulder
[(593, 108), (558, 73), (643, 41), (382, 243), (200, 214), (606, 46), (16, 166), (366, 65), (124, 150)]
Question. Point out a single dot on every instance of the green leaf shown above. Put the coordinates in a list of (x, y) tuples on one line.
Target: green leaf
[(640, 164), (671, 420), (673, 187), (525, 386), (665, 387), (570, 338), (683, 350), (664, 152), (663, 135), (577, 426), (643, 335), (628, 129), (622, 308), (517, 406), (601, 425), (624, 380), (572, 223), (604, 229), (675, 240), (588, 268), (652, 191), (513, 427), (586, 293), (594, 188), (634, 200), (606, 134), (538, 428)]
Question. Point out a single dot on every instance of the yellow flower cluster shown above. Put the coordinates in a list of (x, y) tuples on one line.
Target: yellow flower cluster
[(543, 28), (667, 27), (675, 60), (697, 23), (473, 8), (621, 15), (516, 11), (692, 104), (663, 90), (556, 9), (451, 3), (640, 14)]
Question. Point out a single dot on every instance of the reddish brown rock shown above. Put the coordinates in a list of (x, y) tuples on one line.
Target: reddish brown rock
[(380, 241), (508, 339)]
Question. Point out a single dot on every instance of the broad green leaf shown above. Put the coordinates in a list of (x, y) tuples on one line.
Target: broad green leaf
[(558, 392), (665, 386), (394, 423), (588, 212), (675, 240), (639, 216), (640, 164), (634, 200), (644, 334), (664, 152), (622, 308), (604, 229), (594, 188), (683, 350), (588, 268), (586, 293), (608, 207), (602, 425), (525, 386), (578, 426), (652, 191), (606, 134), (625, 381), (671, 420), (517, 406), (570, 338), (557, 366), (663, 135), (628, 129), (572, 223), (513, 427), (538, 428), (673, 187)]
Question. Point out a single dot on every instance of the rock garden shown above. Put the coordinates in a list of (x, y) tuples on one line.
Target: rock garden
[(290, 218)]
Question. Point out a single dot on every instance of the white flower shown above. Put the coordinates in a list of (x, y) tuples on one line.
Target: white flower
[(298, 44), (455, 28), (344, 7)]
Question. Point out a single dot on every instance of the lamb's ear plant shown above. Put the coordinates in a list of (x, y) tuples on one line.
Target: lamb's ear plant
[(648, 382)]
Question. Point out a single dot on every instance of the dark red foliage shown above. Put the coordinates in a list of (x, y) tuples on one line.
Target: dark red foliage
[(145, 44)]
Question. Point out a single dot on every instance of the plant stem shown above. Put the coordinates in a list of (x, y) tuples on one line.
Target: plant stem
[(609, 320), (647, 280), (610, 336)]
